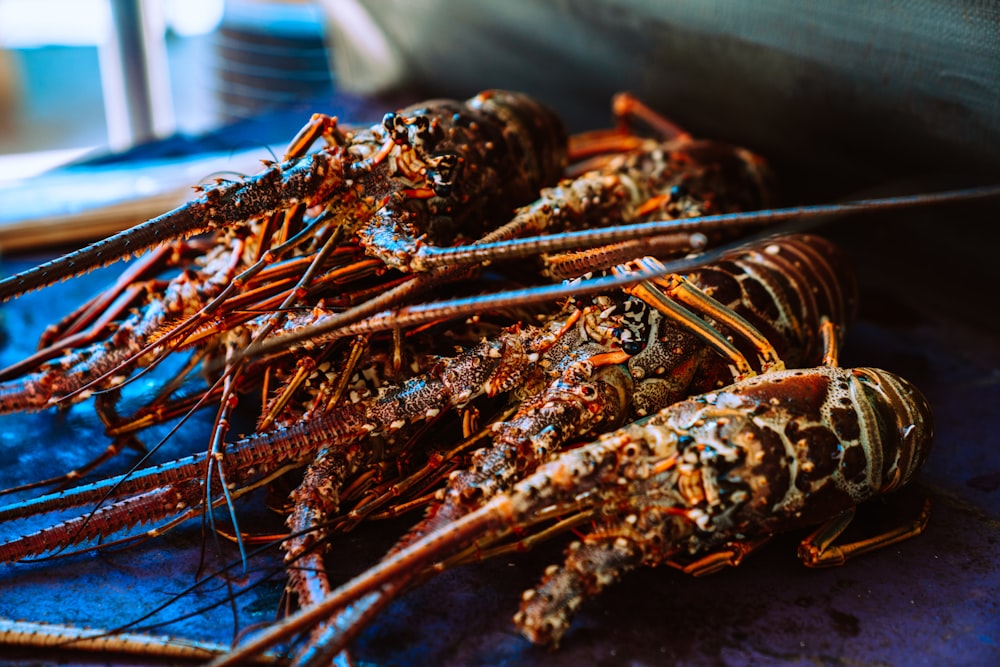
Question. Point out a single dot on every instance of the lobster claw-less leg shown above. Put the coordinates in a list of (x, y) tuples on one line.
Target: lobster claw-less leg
[(819, 548), (103, 363), (66, 637), (731, 554)]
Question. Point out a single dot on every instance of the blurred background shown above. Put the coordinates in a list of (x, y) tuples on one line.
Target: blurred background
[(910, 85), (143, 99), (79, 75), (153, 96)]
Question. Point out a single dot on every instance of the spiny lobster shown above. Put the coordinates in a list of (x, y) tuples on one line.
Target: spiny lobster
[(397, 204), (664, 197), (588, 369), (707, 479), (784, 287), (205, 308), (434, 173)]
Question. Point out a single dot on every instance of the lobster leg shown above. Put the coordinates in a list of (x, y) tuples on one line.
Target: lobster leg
[(693, 324), (24, 633), (628, 109), (820, 550), (599, 145), (731, 554), (72, 376), (106, 304)]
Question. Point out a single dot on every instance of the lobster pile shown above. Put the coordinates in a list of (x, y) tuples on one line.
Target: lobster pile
[(675, 400)]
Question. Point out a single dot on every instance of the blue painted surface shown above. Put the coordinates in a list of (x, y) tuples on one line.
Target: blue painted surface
[(47, 79)]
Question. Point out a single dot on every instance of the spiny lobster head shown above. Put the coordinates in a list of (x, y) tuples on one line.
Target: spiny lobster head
[(906, 423), (735, 177)]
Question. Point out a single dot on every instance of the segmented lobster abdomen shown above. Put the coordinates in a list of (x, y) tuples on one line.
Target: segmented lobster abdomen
[(785, 288)]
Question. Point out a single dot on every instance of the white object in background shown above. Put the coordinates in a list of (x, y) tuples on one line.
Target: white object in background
[(363, 58), (134, 75)]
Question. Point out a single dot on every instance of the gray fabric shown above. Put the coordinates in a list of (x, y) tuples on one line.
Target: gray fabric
[(913, 82)]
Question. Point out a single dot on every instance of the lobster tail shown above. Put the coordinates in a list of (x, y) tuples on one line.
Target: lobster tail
[(905, 427)]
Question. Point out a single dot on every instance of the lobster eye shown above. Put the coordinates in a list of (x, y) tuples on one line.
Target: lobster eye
[(633, 347), (395, 126), (446, 168), (423, 125)]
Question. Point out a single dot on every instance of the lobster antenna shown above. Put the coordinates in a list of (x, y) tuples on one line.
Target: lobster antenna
[(430, 256), (796, 220), (259, 195), (414, 558)]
